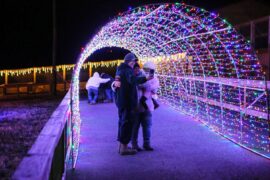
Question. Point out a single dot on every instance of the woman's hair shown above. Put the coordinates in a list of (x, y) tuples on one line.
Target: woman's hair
[(136, 65)]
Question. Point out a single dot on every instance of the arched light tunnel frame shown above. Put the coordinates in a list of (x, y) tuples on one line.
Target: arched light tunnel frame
[(190, 46)]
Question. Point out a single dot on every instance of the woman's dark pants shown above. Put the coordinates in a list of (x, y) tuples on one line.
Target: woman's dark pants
[(125, 125)]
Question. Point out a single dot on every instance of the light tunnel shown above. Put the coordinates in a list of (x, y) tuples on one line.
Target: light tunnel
[(206, 69)]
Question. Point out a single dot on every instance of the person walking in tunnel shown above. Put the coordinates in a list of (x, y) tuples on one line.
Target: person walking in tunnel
[(106, 87), (92, 86), (126, 100), (146, 106)]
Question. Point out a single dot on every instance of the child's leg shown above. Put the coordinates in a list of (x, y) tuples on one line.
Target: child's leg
[(135, 130), (90, 95), (156, 105), (95, 92), (108, 93), (143, 102), (147, 124)]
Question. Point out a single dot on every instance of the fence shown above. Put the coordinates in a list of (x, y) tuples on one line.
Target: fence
[(235, 108), (49, 156), (39, 80), (52, 153)]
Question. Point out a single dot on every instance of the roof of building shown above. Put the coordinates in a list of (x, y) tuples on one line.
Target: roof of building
[(245, 11)]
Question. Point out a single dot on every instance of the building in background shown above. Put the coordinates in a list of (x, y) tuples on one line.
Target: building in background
[(252, 19)]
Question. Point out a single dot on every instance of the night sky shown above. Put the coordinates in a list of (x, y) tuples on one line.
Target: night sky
[(26, 28)]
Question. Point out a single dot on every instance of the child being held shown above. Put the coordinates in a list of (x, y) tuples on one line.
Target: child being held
[(148, 90)]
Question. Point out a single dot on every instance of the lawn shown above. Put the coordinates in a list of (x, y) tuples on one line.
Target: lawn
[(20, 123)]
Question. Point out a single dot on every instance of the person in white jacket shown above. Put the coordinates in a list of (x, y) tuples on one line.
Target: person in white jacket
[(92, 86), (147, 104)]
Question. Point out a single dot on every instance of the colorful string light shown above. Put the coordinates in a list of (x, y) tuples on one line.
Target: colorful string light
[(49, 69), (206, 68)]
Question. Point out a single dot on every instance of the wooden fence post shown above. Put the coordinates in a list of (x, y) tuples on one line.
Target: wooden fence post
[(90, 70), (65, 77), (64, 73), (35, 75), (6, 77)]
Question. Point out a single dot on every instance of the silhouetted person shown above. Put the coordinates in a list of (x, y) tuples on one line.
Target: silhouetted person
[(106, 87), (92, 86)]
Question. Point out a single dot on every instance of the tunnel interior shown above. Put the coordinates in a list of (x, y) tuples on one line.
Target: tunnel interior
[(206, 69)]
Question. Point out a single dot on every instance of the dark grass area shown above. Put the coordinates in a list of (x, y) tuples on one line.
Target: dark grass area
[(20, 123)]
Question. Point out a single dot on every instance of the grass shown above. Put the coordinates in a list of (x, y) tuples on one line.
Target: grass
[(20, 124)]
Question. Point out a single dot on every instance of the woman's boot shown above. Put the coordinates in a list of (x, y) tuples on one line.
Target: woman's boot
[(125, 150), (147, 146), (136, 147)]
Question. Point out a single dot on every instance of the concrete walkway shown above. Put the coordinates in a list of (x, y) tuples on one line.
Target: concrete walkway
[(184, 149)]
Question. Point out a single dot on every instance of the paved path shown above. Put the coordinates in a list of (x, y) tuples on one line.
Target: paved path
[(184, 149)]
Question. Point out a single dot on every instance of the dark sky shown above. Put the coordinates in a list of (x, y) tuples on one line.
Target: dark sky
[(26, 28)]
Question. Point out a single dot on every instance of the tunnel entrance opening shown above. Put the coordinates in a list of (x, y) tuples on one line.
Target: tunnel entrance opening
[(103, 61)]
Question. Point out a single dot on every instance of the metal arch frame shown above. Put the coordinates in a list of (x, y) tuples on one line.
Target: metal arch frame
[(179, 46), (151, 36), (212, 58), (188, 50), (164, 51), (233, 62), (161, 6), (189, 43), (239, 92), (220, 85)]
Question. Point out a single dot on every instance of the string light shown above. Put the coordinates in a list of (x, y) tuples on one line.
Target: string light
[(59, 68), (206, 68)]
